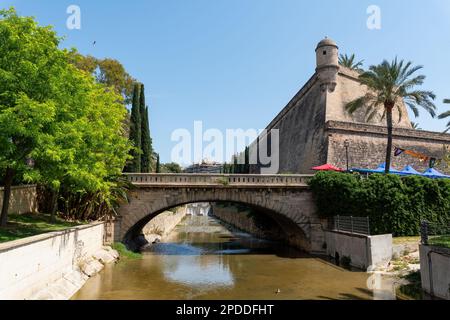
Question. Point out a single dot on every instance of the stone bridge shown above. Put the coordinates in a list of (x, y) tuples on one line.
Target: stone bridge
[(286, 198)]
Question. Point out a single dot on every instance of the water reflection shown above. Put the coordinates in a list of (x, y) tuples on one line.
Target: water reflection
[(207, 271), (203, 260)]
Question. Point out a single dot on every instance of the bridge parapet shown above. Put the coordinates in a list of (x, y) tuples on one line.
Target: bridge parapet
[(217, 180)]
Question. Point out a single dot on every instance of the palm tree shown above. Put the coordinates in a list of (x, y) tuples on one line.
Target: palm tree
[(388, 85), (415, 125), (350, 62), (446, 115)]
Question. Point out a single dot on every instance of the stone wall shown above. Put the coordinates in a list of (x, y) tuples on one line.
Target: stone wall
[(364, 252), (348, 88), (367, 146), (160, 226), (242, 219), (53, 265), (435, 271), (301, 131), (23, 199)]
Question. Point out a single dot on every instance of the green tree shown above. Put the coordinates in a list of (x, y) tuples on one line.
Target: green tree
[(445, 115), (113, 74), (134, 165), (87, 148), (171, 168), (388, 85), (30, 65), (158, 164), (247, 160), (51, 112), (350, 62), (87, 63), (106, 71), (146, 141)]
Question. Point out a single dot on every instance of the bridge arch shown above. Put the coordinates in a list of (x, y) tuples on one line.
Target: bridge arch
[(290, 204)]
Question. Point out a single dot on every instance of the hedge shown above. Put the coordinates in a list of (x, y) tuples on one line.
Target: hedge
[(394, 204)]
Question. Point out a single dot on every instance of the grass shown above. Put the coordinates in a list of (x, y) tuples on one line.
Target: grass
[(125, 253), (23, 226), (441, 241), (412, 290), (405, 240)]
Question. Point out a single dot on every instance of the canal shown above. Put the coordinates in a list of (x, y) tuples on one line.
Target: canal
[(202, 259)]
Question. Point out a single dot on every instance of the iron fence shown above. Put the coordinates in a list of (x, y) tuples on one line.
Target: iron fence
[(354, 225), (436, 234)]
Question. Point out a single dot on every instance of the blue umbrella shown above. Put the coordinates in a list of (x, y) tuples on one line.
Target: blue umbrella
[(434, 174), (363, 170), (382, 167), (409, 171)]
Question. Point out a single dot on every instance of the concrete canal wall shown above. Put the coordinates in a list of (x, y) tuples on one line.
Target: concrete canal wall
[(23, 199), (435, 271), (363, 252), (53, 265), (160, 226)]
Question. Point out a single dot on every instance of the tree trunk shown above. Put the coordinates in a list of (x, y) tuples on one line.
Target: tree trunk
[(389, 108), (55, 194), (9, 177)]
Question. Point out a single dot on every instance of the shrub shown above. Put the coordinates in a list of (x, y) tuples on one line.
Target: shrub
[(394, 204), (124, 253)]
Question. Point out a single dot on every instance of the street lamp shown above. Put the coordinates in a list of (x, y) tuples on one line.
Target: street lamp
[(346, 145)]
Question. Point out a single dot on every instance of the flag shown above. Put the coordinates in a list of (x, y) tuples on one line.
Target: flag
[(398, 151)]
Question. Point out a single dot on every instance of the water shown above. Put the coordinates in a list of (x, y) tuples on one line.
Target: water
[(203, 260)]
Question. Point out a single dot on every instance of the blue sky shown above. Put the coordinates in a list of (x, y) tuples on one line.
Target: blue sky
[(236, 63)]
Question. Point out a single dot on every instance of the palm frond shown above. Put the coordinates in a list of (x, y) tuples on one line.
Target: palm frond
[(350, 62), (400, 113), (444, 115), (392, 82), (372, 115), (413, 108), (356, 104)]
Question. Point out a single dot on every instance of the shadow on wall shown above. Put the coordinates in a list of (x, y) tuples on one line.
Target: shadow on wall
[(261, 223), (155, 228)]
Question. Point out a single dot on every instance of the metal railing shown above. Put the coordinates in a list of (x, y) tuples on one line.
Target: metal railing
[(436, 234), (354, 225), (143, 179)]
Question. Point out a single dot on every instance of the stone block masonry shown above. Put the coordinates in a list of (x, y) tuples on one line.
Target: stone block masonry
[(242, 219), (23, 199), (367, 146), (160, 227), (53, 265)]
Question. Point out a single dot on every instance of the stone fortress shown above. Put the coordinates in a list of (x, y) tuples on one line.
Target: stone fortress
[(314, 128)]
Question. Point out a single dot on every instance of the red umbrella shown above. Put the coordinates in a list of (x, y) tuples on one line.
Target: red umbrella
[(328, 167)]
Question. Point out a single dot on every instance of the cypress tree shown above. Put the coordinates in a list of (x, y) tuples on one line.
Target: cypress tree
[(158, 164), (146, 141), (247, 160), (134, 165)]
